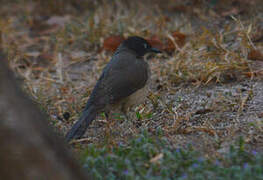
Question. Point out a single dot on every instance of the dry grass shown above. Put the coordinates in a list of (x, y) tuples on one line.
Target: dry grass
[(61, 58)]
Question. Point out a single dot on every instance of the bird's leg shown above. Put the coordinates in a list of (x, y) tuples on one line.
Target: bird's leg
[(110, 131), (124, 111), (107, 115), (108, 124), (108, 118)]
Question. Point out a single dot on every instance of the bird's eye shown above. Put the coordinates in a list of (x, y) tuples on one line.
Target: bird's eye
[(145, 45)]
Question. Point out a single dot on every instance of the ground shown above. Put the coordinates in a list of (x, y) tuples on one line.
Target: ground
[(206, 87)]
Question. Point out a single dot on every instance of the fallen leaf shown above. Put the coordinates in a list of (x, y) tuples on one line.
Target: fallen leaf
[(249, 74), (179, 39), (255, 54), (155, 42), (111, 43), (156, 158)]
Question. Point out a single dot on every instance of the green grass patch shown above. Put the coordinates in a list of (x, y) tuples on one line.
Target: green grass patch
[(151, 157)]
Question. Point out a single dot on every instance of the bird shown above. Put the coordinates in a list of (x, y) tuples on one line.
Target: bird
[(123, 83)]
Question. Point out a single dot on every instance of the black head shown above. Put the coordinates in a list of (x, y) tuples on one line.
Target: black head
[(139, 45)]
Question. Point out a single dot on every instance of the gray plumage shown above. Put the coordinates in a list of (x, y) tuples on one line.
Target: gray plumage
[(124, 78)]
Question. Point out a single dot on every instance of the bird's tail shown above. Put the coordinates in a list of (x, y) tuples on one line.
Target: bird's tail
[(79, 128)]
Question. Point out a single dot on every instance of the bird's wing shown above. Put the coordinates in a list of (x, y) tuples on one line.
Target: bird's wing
[(123, 76)]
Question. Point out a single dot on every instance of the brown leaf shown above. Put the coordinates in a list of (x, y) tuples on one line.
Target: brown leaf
[(179, 39), (111, 43), (255, 54), (249, 74), (155, 42)]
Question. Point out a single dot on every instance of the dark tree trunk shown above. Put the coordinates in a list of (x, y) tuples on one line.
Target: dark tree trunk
[(28, 147)]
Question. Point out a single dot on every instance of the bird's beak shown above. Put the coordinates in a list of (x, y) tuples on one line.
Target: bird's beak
[(155, 50)]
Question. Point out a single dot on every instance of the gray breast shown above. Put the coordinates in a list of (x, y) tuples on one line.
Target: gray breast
[(137, 97)]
